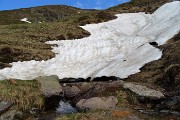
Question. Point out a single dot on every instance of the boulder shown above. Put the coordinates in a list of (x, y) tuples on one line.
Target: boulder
[(93, 89), (49, 85), (71, 91), (4, 106), (97, 103), (9, 115), (143, 91)]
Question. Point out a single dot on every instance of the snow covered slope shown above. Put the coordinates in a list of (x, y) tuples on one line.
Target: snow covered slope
[(116, 48)]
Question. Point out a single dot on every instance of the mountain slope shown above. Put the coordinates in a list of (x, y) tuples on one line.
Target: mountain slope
[(148, 6), (38, 14), (19, 42), (115, 48)]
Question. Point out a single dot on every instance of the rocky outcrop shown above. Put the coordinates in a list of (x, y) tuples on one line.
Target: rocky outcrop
[(94, 89), (97, 103), (49, 85), (143, 91)]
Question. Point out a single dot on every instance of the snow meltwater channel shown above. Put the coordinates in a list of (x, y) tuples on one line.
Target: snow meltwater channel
[(116, 48)]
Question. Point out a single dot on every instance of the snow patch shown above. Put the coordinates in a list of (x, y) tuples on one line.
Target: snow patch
[(116, 48), (25, 20)]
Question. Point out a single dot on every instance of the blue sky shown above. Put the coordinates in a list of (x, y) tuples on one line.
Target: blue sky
[(85, 4)]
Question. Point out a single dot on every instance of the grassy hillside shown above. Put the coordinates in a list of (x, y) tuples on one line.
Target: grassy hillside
[(38, 14), (21, 41), (138, 6)]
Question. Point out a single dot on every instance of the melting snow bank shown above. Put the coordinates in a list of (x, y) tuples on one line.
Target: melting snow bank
[(116, 48)]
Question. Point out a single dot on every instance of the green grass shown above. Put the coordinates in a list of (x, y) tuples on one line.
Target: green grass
[(20, 42), (24, 94), (75, 116), (51, 13)]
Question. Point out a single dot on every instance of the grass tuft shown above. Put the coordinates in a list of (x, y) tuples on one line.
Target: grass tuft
[(24, 94)]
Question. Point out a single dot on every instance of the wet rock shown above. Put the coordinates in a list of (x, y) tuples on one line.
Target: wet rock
[(4, 106), (18, 116), (12, 115), (175, 113), (93, 89), (49, 85), (143, 91), (166, 112), (149, 112), (34, 112), (71, 91), (97, 103), (172, 103)]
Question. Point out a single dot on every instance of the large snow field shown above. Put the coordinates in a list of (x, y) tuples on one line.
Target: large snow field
[(116, 48)]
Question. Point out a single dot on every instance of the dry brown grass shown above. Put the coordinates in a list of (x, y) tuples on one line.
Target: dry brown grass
[(22, 42), (121, 114)]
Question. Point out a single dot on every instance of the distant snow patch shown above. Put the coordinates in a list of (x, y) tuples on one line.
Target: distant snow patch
[(25, 20)]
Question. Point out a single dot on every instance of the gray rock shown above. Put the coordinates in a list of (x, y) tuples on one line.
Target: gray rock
[(4, 106), (71, 91), (18, 116), (175, 113), (93, 89), (143, 91), (49, 85), (164, 111), (34, 112), (97, 103), (172, 102), (12, 115)]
